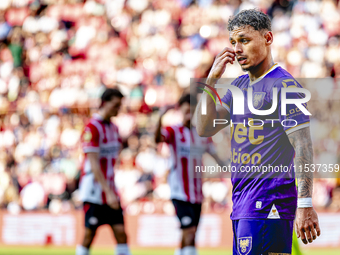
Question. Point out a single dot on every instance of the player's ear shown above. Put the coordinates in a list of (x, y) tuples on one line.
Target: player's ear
[(268, 36)]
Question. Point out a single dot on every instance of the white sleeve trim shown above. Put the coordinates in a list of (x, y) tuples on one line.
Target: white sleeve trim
[(298, 127), (91, 149), (225, 106)]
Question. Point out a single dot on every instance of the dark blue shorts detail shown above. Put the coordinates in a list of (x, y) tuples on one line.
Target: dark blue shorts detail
[(262, 237), (188, 214), (97, 215)]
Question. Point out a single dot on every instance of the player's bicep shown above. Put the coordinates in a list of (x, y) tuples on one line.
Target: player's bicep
[(223, 116)]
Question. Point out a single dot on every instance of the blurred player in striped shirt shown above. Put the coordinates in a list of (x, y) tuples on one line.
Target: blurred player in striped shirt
[(101, 144), (187, 149)]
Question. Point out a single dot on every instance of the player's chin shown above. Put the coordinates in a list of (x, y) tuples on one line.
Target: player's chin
[(246, 67), (114, 113)]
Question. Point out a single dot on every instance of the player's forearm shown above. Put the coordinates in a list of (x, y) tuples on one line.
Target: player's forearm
[(98, 175), (302, 144), (304, 178), (205, 121)]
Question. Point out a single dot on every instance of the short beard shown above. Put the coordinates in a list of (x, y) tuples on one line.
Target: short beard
[(247, 69)]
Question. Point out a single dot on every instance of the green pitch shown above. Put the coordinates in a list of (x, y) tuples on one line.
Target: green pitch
[(70, 251)]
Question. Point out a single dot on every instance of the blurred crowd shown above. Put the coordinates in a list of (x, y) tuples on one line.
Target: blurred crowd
[(57, 56)]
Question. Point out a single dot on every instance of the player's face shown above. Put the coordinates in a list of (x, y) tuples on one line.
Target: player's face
[(185, 109), (250, 46), (113, 106)]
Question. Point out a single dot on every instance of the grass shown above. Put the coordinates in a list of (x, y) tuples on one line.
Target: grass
[(7, 250)]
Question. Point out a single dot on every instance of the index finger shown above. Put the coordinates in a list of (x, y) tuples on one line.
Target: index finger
[(226, 49)]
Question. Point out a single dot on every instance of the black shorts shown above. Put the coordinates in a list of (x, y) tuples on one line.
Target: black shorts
[(188, 214), (97, 215)]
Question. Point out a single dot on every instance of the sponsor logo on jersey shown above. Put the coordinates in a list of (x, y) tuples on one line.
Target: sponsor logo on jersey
[(87, 136), (109, 150), (184, 150)]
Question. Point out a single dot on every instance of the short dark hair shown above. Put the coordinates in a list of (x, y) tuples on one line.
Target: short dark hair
[(187, 98), (252, 17), (108, 94)]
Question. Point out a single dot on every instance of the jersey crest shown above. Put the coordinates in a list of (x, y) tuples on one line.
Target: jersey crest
[(244, 245), (258, 99)]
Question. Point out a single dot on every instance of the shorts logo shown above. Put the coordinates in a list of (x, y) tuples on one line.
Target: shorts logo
[(186, 220), (244, 245), (93, 221), (258, 98)]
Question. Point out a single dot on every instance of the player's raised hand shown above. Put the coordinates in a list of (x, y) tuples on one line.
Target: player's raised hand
[(112, 200), (227, 55), (307, 224)]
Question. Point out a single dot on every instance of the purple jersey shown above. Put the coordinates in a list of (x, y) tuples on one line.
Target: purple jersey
[(264, 194)]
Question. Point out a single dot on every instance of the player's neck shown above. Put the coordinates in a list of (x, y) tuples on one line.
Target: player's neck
[(105, 116), (261, 69), (188, 125)]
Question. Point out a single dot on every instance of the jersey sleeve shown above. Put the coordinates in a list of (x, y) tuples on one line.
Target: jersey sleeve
[(226, 100), (90, 139), (294, 119), (168, 135)]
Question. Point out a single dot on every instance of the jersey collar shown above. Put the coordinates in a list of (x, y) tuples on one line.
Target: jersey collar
[(263, 75), (97, 116), (100, 118)]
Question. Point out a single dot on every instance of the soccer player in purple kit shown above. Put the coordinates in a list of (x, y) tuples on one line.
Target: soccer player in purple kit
[(265, 204)]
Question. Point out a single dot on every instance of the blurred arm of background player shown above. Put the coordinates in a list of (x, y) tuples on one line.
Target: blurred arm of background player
[(111, 198), (158, 133), (159, 138), (218, 160), (204, 124), (306, 220)]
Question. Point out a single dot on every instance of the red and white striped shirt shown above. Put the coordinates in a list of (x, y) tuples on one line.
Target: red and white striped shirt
[(101, 137), (187, 148)]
